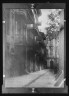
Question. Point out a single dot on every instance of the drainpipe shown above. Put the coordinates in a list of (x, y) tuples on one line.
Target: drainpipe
[(26, 47)]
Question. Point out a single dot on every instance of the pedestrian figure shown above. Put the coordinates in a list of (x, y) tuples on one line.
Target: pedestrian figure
[(51, 64), (46, 64), (56, 68)]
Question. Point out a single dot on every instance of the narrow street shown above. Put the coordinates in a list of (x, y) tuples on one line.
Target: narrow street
[(43, 78), (46, 80)]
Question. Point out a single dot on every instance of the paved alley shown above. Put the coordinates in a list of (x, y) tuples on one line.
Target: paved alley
[(43, 78)]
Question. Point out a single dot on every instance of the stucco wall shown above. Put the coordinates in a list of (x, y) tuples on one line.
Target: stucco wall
[(61, 50)]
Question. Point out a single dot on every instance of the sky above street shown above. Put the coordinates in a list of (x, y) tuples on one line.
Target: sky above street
[(43, 19)]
